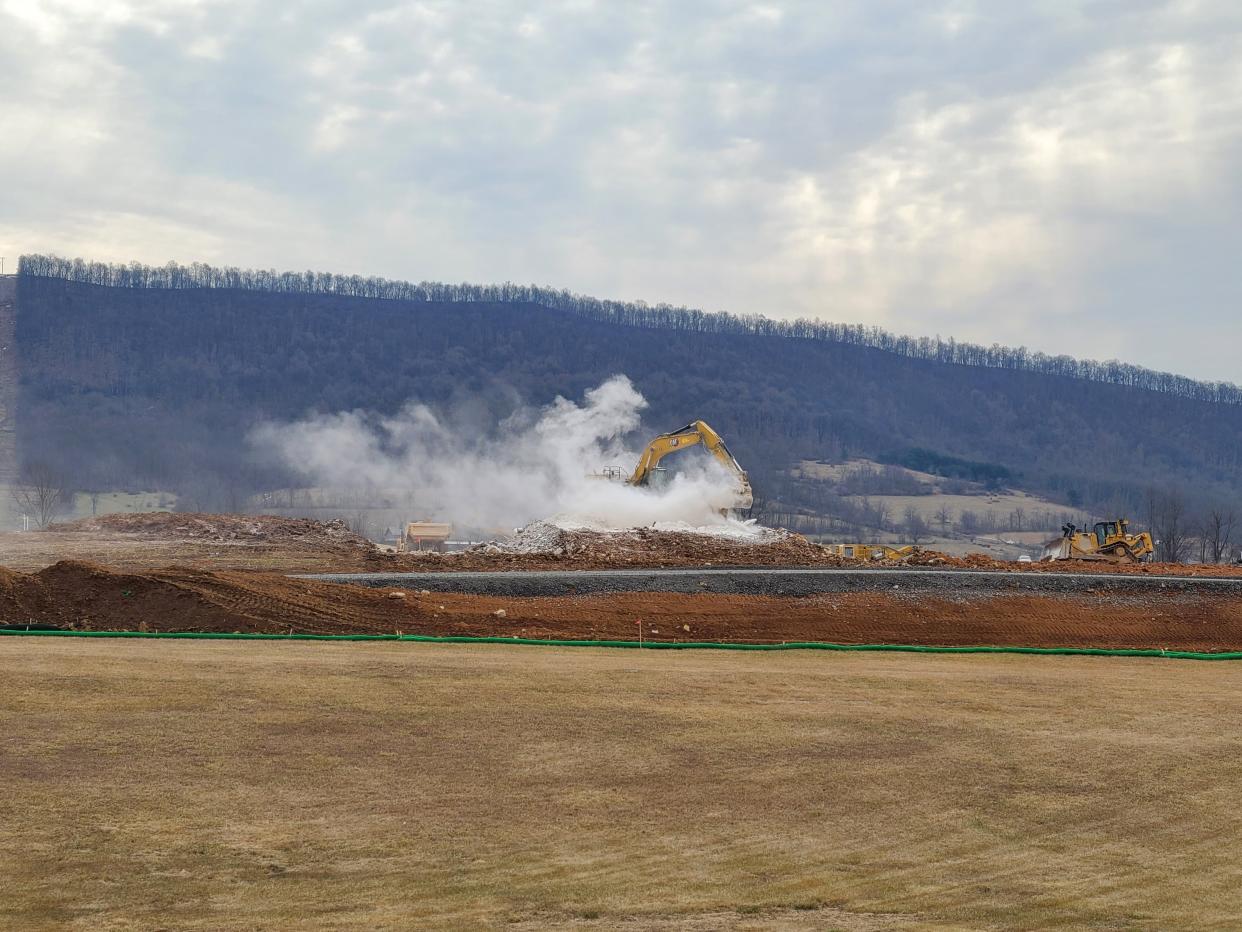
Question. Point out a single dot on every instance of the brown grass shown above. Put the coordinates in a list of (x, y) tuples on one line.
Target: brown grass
[(228, 785)]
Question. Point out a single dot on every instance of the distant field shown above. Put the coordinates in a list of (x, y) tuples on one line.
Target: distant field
[(227, 785), (1002, 503), (985, 505)]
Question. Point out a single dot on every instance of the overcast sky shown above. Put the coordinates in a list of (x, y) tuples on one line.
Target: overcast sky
[(1064, 176)]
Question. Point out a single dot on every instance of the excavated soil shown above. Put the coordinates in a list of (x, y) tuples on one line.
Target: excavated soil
[(147, 541), (84, 596), (275, 543), (221, 528), (542, 546)]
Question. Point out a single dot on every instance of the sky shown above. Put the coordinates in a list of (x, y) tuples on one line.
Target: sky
[(1064, 176)]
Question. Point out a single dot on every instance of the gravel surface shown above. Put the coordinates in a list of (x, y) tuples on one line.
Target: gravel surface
[(790, 582)]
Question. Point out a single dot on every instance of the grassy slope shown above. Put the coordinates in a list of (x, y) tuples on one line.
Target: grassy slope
[(362, 786)]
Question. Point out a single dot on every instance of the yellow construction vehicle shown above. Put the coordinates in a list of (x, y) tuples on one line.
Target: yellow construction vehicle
[(423, 535), (872, 551), (689, 436), (1108, 541)]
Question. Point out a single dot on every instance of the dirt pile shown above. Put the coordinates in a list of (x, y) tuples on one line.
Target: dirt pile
[(548, 546), (543, 545), (221, 528), (981, 561), (302, 545), (84, 596)]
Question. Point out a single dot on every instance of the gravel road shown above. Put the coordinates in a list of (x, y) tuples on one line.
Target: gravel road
[(788, 582)]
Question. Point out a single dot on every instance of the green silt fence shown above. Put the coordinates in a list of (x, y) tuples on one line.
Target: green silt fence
[(636, 645)]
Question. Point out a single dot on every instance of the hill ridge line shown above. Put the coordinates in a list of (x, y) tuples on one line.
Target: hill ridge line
[(175, 276)]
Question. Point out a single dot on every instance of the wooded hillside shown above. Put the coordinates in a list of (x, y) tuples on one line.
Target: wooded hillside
[(138, 377)]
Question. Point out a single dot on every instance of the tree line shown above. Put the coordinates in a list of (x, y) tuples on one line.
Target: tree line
[(174, 276), (157, 389)]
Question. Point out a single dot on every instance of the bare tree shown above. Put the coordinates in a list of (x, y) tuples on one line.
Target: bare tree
[(359, 522), (915, 525), (943, 518), (42, 493), (1216, 533), (1169, 525)]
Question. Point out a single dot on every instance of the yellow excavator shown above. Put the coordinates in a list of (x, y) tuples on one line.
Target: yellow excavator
[(689, 436), (1108, 541)]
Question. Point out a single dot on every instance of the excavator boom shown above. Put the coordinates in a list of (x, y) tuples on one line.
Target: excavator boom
[(688, 436)]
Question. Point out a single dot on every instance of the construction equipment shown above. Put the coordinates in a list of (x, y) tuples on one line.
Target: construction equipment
[(423, 535), (872, 551), (1108, 541), (689, 436)]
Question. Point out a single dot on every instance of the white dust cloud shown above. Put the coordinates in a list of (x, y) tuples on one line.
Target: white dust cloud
[(534, 465)]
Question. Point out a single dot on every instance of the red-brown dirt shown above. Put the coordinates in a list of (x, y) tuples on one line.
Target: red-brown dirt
[(88, 597)]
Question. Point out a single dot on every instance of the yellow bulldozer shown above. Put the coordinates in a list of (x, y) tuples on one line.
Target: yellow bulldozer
[(1109, 541), (683, 439)]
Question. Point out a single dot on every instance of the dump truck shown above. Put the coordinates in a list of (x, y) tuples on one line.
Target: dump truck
[(423, 535), (1107, 541)]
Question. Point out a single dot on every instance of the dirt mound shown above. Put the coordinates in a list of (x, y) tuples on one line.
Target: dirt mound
[(543, 545), (626, 546), (221, 528), (84, 596), (981, 561), (302, 545)]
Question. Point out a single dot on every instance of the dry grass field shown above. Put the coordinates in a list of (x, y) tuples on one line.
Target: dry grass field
[(209, 785)]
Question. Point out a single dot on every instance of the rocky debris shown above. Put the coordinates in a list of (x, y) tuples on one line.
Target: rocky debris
[(541, 537), (221, 528), (546, 545), (306, 545), (981, 561)]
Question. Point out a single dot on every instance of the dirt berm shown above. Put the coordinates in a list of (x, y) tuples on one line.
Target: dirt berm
[(88, 597), (302, 545)]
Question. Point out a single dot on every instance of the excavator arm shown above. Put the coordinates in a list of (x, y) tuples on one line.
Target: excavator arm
[(689, 436)]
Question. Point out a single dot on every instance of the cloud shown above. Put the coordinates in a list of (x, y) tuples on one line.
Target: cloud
[(1063, 178)]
